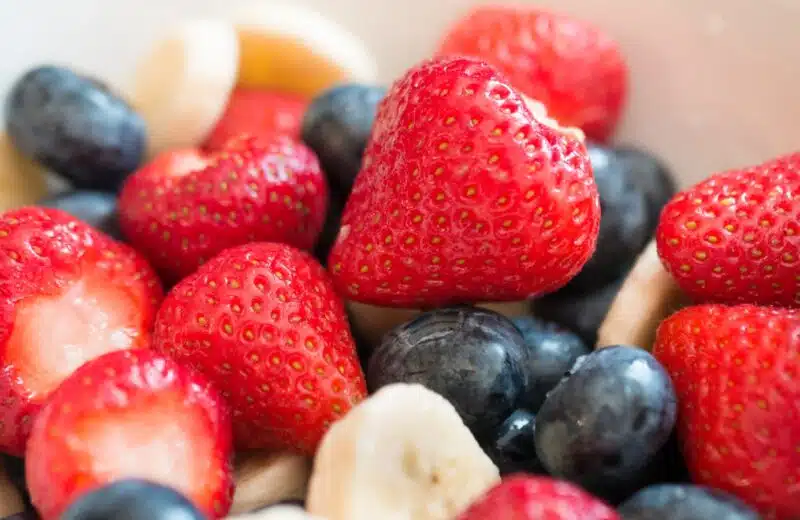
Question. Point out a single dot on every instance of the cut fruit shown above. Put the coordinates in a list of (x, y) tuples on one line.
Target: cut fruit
[(295, 49)]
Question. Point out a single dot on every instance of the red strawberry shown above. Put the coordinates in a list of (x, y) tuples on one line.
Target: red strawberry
[(68, 293), (180, 210), (523, 497), (572, 67), (464, 196), (258, 112), (736, 372), (735, 237), (131, 415), (264, 323)]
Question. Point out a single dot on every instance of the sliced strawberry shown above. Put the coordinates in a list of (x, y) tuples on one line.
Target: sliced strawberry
[(69, 294), (131, 415)]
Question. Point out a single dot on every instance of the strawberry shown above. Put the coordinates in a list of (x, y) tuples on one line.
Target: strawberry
[(68, 293), (258, 112), (735, 237), (464, 196), (572, 67), (263, 322), (735, 371), (183, 208), (131, 415), (526, 497)]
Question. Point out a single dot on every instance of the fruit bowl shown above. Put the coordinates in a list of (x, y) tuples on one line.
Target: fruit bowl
[(224, 137)]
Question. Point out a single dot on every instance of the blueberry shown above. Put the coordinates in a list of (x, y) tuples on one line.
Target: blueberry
[(132, 499), (473, 357), (607, 420), (684, 502), (633, 188), (96, 208), (511, 446), (551, 352), (580, 313), (330, 230), (337, 126), (75, 126)]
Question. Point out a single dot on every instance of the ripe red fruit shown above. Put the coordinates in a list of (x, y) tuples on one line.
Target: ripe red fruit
[(571, 66), (68, 293), (523, 497), (180, 210), (258, 112), (735, 237), (464, 196), (735, 371), (131, 415), (264, 323)]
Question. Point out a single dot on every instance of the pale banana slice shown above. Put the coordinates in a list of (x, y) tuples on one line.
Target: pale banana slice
[(278, 513), (10, 499), (293, 48), (266, 478), (182, 86), (22, 182), (403, 454)]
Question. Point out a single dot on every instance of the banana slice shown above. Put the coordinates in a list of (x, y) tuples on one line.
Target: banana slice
[(266, 478), (22, 182), (403, 454), (10, 498), (182, 86), (278, 513), (296, 49)]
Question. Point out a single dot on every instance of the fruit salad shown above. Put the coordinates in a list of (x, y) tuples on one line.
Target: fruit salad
[(272, 288)]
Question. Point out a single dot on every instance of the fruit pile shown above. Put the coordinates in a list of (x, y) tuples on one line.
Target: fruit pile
[(277, 290)]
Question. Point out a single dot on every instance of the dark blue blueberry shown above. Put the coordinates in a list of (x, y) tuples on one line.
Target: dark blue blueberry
[(76, 127), (581, 313), (96, 208), (551, 353), (337, 126), (684, 502), (606, 421), (132, 499), (330, 230), (473, 357), (633, 186), (511, 446)]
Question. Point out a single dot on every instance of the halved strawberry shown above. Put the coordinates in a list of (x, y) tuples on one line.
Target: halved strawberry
[(68, 293), (131, 415)]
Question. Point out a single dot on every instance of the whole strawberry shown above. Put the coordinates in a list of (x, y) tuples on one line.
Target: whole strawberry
[(571, 66), (523, 497), (131, 415), (68, 293), (464, 196), (735, 371), (264, 323), (735, 237), (185, 207)]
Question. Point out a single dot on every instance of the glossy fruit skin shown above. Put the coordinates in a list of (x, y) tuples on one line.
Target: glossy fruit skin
[(604, 423), (75, 126), (258, 112), (511, 446), (133, 499), (551, 352), (633, 189), (684, 502), (733, 237), (96, 208), (44, 252), (457, 162), (527, 497), (263, 322), (62, 464), (254, 189), (337, 127), (473, 357), (572, 67), (734, 369)]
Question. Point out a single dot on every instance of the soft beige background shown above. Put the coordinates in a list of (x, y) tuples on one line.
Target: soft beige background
[(716, 83)]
